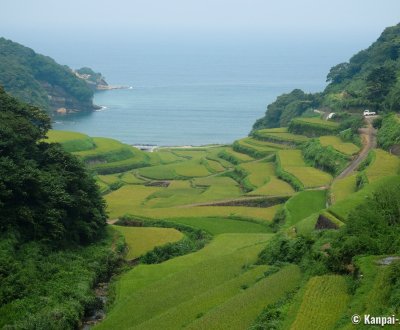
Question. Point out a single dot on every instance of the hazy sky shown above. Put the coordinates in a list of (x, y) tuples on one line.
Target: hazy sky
[(19, 17)]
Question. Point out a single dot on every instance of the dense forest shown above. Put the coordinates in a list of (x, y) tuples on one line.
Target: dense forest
[(54, 243), (39, 80), (368, 80)]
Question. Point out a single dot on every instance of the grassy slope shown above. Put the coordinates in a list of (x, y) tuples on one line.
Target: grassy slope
[(304, 204)]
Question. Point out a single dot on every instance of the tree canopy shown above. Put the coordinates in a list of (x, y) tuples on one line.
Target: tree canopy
[(45, 193)]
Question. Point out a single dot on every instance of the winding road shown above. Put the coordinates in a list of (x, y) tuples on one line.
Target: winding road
[(368, 137)]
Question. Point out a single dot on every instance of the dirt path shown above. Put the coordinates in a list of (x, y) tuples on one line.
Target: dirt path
[(368, 137), (111, 221)]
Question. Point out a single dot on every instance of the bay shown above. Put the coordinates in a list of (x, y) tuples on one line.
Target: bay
[(189, 92)]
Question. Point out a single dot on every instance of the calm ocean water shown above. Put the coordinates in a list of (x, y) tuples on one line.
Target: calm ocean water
[(187, 93)]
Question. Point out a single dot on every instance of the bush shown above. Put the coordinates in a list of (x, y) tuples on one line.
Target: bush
[(282, 249), (389, 133), (325, 158), (373, 228)]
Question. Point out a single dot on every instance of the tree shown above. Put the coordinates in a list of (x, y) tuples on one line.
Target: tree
[(379, 82), (45, 193), (338, 73)]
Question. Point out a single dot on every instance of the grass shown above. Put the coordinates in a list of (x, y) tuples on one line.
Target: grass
[(186, 169), (229, 154), (143, 239), (304, 204), (318, 121), (263, 215), (342, 188), (342, 208), (179, 316), (279, 135), (310, 177), (108, 149), (71, 141), (109, 179), (306, 226), (336, 142), (259, 172), (265, 144), (383, 164), (291, 158), (293, 163), (255, 150), (240, 311), (324, 300), (133, 199), (371, 295), (151, 290), (127, 198), (274, 187), (218, 226), (131, 178)]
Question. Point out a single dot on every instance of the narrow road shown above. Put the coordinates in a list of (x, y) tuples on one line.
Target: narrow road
[(368, 137)]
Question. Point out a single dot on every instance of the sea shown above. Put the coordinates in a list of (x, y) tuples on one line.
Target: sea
[(193, 92)]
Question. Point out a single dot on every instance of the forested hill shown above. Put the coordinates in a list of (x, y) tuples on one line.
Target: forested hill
[(39, 80), (368, 80)]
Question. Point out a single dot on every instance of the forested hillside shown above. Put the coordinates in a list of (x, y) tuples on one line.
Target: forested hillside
[(39, 80), (368, 80), (53, 241)]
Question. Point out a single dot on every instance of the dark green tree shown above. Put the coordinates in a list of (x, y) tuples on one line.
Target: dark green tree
[(45, 193), (379, 82)]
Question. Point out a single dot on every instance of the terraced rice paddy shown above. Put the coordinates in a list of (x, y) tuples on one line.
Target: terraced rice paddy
[(382, 165), (71, 141), (259, 172), (293, 163), (216, 189), (274, 187), (342, 188), (280, 135), (336, 142), (324, 300), (209, 281), (140, 240)]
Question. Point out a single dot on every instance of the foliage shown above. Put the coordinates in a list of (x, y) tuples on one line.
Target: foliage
[(286, 107), (367, 79), (32, 77), (272, 316), (325, 158), (389, 132), (373, 228), (312, 127), (280, 136), (45, 192), (379, 83), (41, 288), (282, 249)]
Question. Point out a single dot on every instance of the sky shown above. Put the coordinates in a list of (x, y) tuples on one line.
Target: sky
[(201, 17)]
